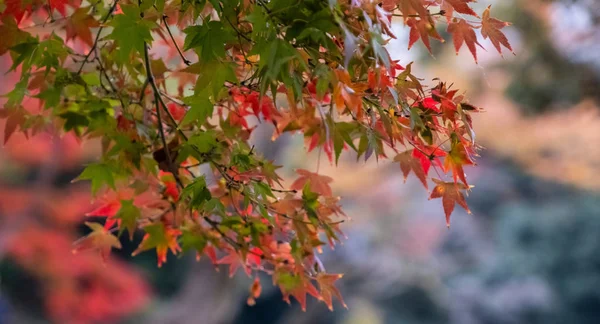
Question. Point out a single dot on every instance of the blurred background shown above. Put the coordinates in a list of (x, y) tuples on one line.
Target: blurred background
[(529, 253)]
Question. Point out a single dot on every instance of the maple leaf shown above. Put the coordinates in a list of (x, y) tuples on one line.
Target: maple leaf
[(327, 289), (14, 120), (427, 155), (130, 32), (490, 27), (108, 209), (99, 239), (456, 158), (462, 32), (17, 9), (235, 261), (171, 190), (451, 194), (11, 34), (409, 162), (78, 26), (460, 6), (318, 183), (297, 286), (161, 238), (422, 28), (127, 216), (447, 100), (255, 291), (346, 94), (288, 205), (412, 7), (61, 6)]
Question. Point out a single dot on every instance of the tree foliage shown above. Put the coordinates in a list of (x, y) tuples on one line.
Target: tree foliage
[(174, 89)]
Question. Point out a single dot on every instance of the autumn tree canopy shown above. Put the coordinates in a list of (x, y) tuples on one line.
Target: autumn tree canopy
[(174, 89)]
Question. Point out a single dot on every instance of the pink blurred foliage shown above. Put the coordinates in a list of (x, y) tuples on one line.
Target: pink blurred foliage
[(38, 224)]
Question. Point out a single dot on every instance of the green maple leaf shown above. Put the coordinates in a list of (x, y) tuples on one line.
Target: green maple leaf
[(129, 215), (100, 174), (200, 109), (197, 192), (192, 239), (130, 32), (208, 40)]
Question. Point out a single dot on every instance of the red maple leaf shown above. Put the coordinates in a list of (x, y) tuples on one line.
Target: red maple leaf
[(17, 9), (171, 190), (78, 26), (422, 28), (235, 261), (61, 6), (427, 155), (463, 32)]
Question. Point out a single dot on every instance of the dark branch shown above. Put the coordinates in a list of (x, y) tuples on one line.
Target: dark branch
[(158, 102)]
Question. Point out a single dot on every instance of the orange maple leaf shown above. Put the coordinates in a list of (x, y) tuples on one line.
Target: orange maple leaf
[(456, 158), (255, 291), (299, 290), (327, 289), (409, 162), (318, 183), (99, 239), (460, 6), (451, 195), (412, 7), (347, 94), (161, 238), (463, 32), (490, 27)]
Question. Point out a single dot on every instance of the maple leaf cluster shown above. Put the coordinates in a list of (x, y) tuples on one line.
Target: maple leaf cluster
[(174, 125)]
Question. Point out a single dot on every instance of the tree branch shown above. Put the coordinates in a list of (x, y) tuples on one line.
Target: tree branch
[(158, 102)]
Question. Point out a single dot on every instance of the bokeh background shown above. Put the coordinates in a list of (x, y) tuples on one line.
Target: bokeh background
[(529, 253)]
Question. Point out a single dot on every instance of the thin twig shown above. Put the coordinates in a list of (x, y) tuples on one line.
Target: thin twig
[(143, 91), (92, 50), (185, 60)]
